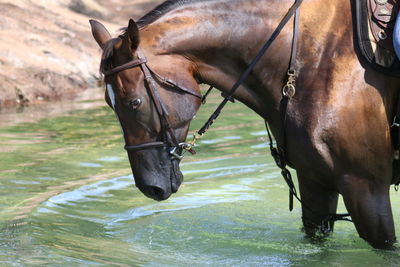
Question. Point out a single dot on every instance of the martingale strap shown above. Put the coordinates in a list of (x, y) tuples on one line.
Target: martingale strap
[(279, 153), (288, 91)]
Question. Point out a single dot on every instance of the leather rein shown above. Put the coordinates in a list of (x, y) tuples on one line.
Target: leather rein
[(168, 138)]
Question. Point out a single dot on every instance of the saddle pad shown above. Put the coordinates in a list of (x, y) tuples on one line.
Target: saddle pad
[(374, 24)]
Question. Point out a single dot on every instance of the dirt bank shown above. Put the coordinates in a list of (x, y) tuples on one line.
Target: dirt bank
[(46, 49)]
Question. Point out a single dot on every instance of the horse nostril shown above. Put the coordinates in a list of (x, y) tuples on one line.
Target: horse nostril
[(158, 193)]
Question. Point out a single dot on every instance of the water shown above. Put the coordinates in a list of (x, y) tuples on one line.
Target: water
[(67, 198)]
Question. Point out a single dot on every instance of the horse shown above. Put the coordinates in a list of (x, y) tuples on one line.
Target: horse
[(336, 132)]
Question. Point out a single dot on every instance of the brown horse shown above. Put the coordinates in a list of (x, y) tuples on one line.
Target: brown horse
[(337, 130)]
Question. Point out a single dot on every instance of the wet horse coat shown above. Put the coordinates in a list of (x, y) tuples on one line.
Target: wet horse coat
[(337, 130)]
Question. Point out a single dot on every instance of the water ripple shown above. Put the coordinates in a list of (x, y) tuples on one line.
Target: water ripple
[(227, 193), (85, 193)]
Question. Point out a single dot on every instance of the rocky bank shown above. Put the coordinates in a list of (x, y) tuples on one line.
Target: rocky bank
[(46, 48)]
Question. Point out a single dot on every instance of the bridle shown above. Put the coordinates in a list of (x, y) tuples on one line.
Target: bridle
[(168, 138), (177, 148)]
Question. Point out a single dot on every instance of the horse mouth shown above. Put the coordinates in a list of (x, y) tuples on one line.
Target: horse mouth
[(155, 193), (156, 175)]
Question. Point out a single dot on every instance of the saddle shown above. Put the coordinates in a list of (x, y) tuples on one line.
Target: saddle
[(375, 20)]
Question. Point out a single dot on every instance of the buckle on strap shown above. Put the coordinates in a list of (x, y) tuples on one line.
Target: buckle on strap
[(175, 154), (184, 147), (289, 90)]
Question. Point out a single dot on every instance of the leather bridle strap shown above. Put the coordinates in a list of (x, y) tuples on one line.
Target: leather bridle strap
[(173, 84), (288, 91), (128, 65), (161, 110), (136, 148), (295, 39)]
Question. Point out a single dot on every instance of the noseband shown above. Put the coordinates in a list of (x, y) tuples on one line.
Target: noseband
[(168, 138)]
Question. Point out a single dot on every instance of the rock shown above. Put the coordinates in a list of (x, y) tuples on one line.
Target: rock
[(47, 51)]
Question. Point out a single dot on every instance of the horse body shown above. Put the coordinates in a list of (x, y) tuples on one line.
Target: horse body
[(337, 128)]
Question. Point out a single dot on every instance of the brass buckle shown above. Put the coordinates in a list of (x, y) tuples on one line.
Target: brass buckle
[(196, 137)]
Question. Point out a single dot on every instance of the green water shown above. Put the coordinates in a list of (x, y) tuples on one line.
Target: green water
[(67, 198)]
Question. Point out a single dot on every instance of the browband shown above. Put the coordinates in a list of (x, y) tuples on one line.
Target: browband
[(128, 65)]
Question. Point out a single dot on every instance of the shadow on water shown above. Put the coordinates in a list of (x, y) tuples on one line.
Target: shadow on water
[(67, 197)]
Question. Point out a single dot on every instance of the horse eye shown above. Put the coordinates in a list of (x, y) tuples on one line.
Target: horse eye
[(135, 103)]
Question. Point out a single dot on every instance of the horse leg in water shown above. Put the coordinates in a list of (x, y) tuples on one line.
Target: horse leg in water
[(318, 202), (368, 203)]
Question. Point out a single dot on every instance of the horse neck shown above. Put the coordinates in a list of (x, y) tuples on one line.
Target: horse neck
[(220, 38)]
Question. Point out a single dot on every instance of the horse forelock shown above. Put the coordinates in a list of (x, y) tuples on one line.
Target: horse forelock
[(108, 53)]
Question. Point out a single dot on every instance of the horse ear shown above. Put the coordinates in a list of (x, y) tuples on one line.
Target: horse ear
[(100, 33), (133, 34)]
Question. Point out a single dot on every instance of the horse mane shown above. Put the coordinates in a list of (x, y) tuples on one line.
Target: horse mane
[(152, 16), (163, 9)]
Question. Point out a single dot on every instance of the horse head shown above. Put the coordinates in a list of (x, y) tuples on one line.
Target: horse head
[(154, 111)]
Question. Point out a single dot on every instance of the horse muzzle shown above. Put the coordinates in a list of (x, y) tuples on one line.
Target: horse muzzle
[(156, 170)]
